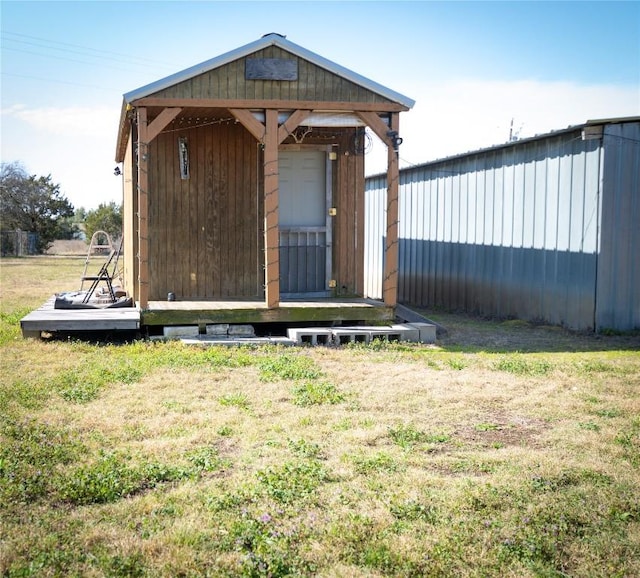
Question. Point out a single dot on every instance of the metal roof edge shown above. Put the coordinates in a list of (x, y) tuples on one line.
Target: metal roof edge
[(200, 68), (120, 141), (553, 133), (614, 120), (346, 73), (267, 40)]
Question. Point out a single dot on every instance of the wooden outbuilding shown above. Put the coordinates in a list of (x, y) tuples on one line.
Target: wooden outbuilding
[(244, 183)]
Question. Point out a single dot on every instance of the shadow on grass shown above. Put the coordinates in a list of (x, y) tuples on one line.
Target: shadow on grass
[(475, 334)]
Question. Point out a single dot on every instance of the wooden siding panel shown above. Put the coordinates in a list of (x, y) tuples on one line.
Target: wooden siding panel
[(199, 173), (224, 186), (216, 209), (130, 221), (203, 235), (157, 273), (175, 233), (176, 252), (206, 232), (314, 84), (208, 212), (191, 194)]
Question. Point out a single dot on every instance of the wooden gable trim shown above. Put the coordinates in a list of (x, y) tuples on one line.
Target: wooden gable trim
[(269, 46), (266, 103)]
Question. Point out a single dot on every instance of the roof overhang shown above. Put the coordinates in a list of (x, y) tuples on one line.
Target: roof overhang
[(399, 101), (264, 42)]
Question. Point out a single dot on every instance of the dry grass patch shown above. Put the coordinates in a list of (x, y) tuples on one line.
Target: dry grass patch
[(488, 454)]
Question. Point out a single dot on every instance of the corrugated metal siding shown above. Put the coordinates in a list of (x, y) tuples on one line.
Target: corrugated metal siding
[(618, 305), (513, 231)]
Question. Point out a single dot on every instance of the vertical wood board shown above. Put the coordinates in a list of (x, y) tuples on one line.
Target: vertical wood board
[(313, 83)]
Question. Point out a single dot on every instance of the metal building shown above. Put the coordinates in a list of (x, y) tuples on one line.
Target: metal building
[(544, 229)]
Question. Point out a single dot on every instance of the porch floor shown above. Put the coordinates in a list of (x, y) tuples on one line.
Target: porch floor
[(328, 310), (48, 318), (170, 313)]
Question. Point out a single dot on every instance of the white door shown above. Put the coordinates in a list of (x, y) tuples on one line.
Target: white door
[(305, 228)]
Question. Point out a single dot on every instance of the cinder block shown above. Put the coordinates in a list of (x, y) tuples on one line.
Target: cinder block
[(241, 330), (351, 335), (218, 329), (390, 333), (427, 332), (407, 332), (310, 335), (378, 332), (177, 331), (385, 334)]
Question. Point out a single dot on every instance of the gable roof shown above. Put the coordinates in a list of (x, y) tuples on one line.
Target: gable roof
[(267, 40)]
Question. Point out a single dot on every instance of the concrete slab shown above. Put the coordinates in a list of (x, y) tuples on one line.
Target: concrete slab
[(207, 340), (241, 330), (178, 331), (218, 329)]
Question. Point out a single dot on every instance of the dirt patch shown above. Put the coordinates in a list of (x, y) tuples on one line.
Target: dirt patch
[(498, 431)]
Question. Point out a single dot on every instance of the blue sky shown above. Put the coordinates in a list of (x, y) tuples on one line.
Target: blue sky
[(471, 67)]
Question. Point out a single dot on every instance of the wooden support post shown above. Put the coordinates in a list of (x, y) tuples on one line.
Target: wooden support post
[(390, 279), (143, 209), (271, 194)]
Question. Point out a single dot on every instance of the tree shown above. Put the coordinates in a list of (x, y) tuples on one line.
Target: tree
[(107, 218), (34, 204)]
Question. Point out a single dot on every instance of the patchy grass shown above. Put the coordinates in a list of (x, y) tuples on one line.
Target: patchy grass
[(316, 393), (504, 450)]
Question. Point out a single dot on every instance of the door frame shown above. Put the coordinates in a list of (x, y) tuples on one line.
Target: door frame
[(328, 291)]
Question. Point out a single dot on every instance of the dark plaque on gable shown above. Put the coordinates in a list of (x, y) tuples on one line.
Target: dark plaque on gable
[(270, 69)]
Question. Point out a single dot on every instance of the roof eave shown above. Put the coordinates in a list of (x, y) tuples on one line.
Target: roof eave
[(122, 133), (265, 41)]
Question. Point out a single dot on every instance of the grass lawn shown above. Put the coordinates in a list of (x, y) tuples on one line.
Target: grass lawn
[(504, 450)]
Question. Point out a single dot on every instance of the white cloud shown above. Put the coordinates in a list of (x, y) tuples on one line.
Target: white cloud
[(76, 121), (75, 145), (467, 115)]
